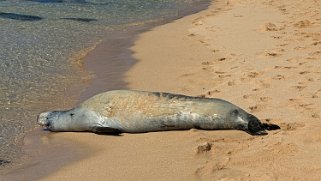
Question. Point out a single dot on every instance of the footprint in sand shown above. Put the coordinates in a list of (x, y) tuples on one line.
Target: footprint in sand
[(208, 68), (207, 63), (306, 106), (316, 43), (283, 44), (277, 37), (269, 27), (253, 74), (303, 24), (204, 148), (247, 96), (284, 67), (256, 108), (212, 92), (317, 94), (265, 99), (279, 77), (221, 59), (275, 52), (264, 84), (231, 83), (291, 126), (300, 87), (224, 76), (316, 53), (315, 115), (310, 79), (304, 72), (272, 54)]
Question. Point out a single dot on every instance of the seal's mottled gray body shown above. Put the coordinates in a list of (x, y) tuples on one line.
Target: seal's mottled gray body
[(138, 111)]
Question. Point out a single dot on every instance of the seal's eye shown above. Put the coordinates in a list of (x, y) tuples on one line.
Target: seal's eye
[(235, 112), (71, 114)]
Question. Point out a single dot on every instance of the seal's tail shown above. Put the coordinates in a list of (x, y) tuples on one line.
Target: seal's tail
[(270, 126)]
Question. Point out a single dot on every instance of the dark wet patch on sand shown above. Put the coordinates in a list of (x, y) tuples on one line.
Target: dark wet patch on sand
[(21, 17), (85, 20)]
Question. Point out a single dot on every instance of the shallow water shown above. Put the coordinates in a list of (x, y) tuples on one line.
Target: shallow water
[(38, 41)]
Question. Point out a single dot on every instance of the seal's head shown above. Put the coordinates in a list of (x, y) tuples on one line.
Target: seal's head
[(71, 120), (77, 119), (53, 120)]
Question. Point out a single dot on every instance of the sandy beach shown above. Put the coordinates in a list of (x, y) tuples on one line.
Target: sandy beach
[(263, 56)]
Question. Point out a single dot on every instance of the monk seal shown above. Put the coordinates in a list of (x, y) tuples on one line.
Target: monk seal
[(129, 111)]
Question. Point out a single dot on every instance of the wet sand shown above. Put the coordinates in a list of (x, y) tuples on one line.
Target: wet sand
[(261, 55)]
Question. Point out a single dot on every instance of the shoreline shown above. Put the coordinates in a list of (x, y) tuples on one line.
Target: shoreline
[(91, 61), (117, 50), (263, 56), (129, 141)]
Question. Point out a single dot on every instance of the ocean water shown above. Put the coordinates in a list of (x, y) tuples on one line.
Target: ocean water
[(38, 41)]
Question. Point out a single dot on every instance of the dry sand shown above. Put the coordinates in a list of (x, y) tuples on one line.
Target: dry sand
[(264, 56)]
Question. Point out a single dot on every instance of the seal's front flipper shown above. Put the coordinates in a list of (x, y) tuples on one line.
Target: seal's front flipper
[(106, 130)]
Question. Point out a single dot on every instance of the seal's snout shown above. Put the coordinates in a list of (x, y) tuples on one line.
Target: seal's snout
[(43, 119)]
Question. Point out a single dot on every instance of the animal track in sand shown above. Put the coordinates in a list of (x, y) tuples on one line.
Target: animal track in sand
[(208, 68), (221, 59), (264, 84), (215, 51), (284, 67), (317, 94), (224, 76), (277, 37), (316, 43), (231, 83), (219, 72), (291, 126), (247, 96), (281, 148), (315, 115), (300, 87), (253, 74), (274, 53), (187, 75), (304, 72), (315, 53), (218, 140), (265, 99), (205, 147), (269, 27), (279, 77), (256, 108), (213, 92), (207, 63), (283, 44), (303, 24)]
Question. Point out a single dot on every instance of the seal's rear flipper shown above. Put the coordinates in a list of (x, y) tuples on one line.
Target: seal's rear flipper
[(106, 130), (255, 127), (270, 126)]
